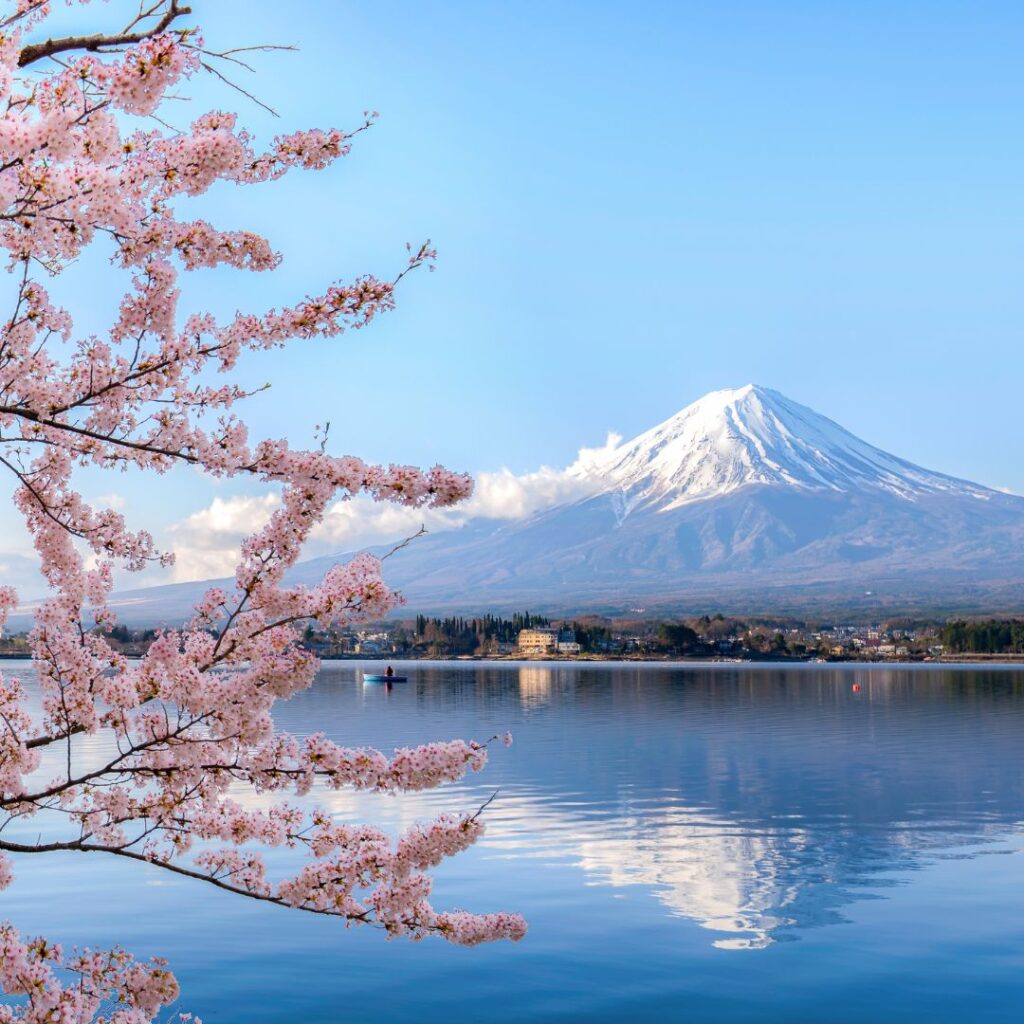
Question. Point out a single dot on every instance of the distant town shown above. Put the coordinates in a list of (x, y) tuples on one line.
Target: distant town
[(527, 636)]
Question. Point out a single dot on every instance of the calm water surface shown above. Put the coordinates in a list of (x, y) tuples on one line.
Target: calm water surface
[(699, 843)]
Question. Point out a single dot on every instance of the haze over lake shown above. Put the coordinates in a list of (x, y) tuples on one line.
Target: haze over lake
[(698, 842)]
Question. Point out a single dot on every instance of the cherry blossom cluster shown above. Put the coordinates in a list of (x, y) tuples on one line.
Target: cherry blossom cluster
[(50, 987), (355, 858), (16, 759), (85, 164), (137, 84)]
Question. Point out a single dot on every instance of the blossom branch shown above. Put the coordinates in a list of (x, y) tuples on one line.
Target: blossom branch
[(99, 40), (194, 716)]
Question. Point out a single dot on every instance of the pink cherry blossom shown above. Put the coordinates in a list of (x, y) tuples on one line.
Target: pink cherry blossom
[(81, 159)]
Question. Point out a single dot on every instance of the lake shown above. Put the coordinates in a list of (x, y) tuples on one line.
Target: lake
[(688, 842)]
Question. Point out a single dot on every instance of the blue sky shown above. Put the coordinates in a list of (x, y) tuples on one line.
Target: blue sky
[(634, 204)]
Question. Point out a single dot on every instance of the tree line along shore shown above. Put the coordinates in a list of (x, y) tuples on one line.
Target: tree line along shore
[(592, 637)]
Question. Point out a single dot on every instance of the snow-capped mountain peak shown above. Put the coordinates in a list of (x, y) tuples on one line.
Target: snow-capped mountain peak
[(752, 435), (744, 498)]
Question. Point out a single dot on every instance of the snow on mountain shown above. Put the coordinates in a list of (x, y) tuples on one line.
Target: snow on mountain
[(739, 437), (744, 499)]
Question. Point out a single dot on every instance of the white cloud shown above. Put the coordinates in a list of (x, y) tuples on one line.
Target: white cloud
[(206, 544), (112, 501), (591, 461), (504, 495), (359, 522)]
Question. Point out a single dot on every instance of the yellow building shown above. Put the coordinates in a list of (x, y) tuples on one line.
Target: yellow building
[(537, 641)]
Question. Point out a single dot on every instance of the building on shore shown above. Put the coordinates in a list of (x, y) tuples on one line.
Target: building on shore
[(567, 643), (546, 640), (541, 640)]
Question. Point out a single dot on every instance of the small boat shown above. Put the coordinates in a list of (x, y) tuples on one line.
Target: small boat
[(370, 678)]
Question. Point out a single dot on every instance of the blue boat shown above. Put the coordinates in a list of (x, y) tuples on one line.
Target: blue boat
[(370, 678)]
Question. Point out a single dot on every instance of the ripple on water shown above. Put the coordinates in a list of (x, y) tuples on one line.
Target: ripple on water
[(681, 839)]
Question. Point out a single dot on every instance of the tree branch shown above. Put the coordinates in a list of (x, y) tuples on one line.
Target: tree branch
[(98, 40)]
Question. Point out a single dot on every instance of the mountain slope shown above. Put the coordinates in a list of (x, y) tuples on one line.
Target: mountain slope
[(744, 496), (740, 437)]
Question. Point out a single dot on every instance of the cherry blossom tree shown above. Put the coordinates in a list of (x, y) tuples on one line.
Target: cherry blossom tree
[(84, 160)]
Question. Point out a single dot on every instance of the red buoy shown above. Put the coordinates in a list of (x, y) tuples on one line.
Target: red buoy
[(856, 687)]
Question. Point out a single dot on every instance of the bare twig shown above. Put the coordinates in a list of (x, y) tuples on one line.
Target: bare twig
[(483, 807), (405, 543), (245, 92)]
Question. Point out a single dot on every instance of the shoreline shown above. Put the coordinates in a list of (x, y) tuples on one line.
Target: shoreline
[(1014, 660), (985, 660), (683, 659)]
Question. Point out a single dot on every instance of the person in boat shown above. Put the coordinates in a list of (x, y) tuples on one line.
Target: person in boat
[(388, 672)]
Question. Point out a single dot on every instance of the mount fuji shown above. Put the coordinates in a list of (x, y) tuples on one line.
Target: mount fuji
[(743, 499), (753, 436)]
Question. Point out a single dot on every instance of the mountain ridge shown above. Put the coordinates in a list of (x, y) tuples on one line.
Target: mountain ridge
[(742, 493)]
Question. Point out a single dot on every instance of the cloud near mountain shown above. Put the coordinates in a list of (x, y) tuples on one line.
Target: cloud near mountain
[(206, 543)]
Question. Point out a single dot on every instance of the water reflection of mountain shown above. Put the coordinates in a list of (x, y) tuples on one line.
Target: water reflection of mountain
[(758, 803)]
